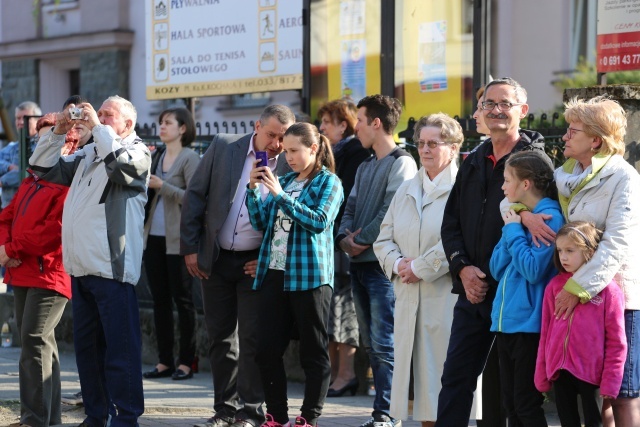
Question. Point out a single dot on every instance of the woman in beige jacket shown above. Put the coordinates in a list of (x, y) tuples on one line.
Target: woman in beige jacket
[(410, 251)]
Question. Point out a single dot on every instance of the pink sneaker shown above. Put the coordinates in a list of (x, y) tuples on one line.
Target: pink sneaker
[(271, 423), (301, 422)]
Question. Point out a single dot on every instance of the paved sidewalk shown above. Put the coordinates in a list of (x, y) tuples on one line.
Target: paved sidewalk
[(183, 403)]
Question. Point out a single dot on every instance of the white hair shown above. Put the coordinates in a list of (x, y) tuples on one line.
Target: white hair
[(29, 106), (127, 110)]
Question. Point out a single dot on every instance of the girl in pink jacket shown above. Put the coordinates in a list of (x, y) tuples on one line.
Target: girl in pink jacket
[(587, 351)]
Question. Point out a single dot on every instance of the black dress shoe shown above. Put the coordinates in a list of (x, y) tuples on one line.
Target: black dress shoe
[(179, 374), (352, 387), (158, 374)]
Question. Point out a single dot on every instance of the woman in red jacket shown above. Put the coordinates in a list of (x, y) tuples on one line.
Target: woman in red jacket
[(31, 249)]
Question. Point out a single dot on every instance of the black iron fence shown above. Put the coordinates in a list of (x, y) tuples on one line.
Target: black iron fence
[(551, 126)]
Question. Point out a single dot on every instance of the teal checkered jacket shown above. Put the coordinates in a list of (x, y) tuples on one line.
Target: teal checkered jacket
[(309, 263)]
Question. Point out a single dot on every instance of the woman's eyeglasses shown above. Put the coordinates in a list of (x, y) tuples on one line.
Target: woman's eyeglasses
[(431, 144)]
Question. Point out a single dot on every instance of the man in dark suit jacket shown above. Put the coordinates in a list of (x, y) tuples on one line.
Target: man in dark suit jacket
[(221, 248)]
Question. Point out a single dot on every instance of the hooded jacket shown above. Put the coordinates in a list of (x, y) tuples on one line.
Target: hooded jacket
[(30, 230), (591, 344), (102, 222), (523, 271), (472, 224)]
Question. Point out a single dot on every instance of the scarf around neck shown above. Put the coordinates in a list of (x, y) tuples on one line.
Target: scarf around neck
[(571, 178)]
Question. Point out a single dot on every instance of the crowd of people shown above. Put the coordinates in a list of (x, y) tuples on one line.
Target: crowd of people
[(473, 287)]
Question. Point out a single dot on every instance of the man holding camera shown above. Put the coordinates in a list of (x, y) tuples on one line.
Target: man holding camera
[(221, 248), (102, 226)]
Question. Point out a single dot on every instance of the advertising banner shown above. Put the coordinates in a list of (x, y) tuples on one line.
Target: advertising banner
[(199, 48), (618, 44)]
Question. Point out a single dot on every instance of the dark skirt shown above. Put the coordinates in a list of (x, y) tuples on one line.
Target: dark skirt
[(343, 324)]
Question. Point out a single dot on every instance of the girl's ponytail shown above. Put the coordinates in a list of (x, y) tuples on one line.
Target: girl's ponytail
[(325, 154)]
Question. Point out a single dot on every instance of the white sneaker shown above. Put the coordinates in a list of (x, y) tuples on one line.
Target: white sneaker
[(386, 421), (72, 399)]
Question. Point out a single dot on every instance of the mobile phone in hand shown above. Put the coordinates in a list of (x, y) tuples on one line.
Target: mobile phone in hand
[(263, 157)]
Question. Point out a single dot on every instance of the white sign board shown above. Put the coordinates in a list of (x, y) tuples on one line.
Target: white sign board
[(201, 48), (618, 43)]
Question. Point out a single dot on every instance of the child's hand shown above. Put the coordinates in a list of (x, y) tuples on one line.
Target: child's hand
[(271, 181), (604, 396), (511, 216), (256, 174)]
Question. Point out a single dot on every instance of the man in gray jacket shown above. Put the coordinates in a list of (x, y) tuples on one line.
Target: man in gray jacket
[(102, 227), (220, 246)]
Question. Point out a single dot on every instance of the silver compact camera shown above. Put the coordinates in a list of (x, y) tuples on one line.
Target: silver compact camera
[(75, 113)]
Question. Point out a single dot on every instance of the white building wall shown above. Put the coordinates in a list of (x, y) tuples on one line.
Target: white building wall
[(531, 42)]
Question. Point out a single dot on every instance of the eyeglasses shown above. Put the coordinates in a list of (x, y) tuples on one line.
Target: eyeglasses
[(431, 144), (502, 106), (572, 132)]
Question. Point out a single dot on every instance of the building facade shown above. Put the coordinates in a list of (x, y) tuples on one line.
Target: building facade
[(97, 48)]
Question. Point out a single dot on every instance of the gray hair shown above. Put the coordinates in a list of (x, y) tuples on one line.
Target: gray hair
[(282, 113), (450, 129), (127, 110), (520, 92), (30, 106)]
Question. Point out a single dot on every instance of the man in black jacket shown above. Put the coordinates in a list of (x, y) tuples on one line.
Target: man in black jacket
[(471, 227)]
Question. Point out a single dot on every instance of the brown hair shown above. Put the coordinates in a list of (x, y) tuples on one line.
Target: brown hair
[(340, 111), (184, 118), (48, 119), (309, 135), (382, 107), (71, 140), (583, 234), (537, 168)]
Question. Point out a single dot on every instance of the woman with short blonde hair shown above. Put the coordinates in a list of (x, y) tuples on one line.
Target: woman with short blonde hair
[(596, 184)]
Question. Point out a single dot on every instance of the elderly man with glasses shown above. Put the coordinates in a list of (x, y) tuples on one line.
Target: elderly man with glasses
[(471, 227)]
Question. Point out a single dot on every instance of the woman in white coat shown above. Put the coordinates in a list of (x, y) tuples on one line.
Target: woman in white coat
[(410, 251)]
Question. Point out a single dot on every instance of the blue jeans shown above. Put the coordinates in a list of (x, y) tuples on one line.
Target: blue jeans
[(375, 301), (107, 340), (631, 379)]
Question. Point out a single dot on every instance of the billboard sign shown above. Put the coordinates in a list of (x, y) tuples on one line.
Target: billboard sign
[(201, 48), (618, 44)]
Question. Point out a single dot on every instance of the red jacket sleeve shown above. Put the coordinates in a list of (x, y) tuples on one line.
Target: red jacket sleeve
[(46, 234), (6, 219)]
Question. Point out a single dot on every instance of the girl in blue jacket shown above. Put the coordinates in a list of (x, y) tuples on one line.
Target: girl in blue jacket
[(295, 269), (522, 270)]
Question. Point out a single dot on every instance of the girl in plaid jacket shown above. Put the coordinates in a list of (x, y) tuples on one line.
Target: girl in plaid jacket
[(295, 268)]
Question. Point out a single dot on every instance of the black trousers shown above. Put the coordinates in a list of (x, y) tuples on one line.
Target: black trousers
[(309, 312), (232, 316), (567, 388), (468, 353), (521, 400), (170, 282)]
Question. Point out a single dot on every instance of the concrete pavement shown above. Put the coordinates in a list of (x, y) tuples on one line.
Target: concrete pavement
[(183, 403)]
